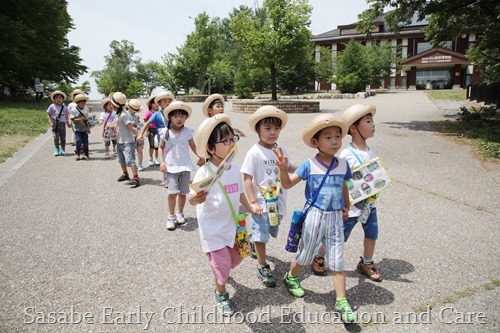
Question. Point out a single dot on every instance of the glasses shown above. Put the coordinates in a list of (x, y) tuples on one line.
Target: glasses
[(227, 141)]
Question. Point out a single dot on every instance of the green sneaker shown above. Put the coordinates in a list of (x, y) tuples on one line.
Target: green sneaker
[(223, 304), (346, 313), (56, 151), (266, 276), (62, 152), (293, 285)]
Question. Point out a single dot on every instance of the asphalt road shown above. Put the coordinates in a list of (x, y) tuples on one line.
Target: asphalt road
[(80, 252)]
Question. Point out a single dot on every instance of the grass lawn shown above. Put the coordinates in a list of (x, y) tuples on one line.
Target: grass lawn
[(447, 95), (19, 123)]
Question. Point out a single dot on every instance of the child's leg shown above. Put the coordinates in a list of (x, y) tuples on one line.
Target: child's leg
[(339, 284), (107, 143), (55, 135), (79, 142), (139, 153), (85, 138), (62, 136), (172, 200), (368, 248), (181, 202)]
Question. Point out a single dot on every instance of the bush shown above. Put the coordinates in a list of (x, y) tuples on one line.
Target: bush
[(351, 83)]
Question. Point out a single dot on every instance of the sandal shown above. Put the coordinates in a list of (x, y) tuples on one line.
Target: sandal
[(318, 266), (369, 270)]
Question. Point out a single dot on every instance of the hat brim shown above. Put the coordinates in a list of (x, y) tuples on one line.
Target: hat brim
[(178, 105), (164, 95), (151, 98), (357, 111), (80, 97), (114, 102), (104, 102), (267, 111), (208, 101), (204, 131), (57, 92), (321, 122)]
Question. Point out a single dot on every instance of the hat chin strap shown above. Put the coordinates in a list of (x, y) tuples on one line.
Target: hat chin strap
[(361, 135), (217, 156)]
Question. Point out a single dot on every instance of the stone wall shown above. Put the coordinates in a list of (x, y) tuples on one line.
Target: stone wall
[(249, 106)]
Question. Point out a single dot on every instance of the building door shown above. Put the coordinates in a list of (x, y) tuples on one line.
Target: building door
[(434, 78)]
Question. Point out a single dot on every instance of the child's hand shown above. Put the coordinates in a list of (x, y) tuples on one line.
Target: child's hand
[(281, 160), (256, 209), (201, 161), (345, 213), (163, 168), (70, 124), (198, 198)]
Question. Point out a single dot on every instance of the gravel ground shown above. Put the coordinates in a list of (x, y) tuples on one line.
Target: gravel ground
[(80, 252)]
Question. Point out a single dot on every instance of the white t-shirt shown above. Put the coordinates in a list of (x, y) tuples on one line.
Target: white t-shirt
[(215, 221), (353, 161), (75, 114), (259, 163), (104, 116), (176, 151), (124, 135), (71, 106)]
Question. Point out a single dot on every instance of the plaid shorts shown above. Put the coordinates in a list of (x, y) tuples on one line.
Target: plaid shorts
[(178, 182)]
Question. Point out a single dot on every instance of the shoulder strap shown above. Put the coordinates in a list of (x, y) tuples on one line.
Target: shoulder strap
[(330, 167), (60, 112), (355, 155), (233, 212)]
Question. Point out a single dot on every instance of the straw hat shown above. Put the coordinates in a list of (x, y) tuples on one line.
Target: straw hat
[(80, 97), (163, 95), (151, 98), (76, 92), (178, 105), (205, 130), (209, 101), (318, 123), (118, 99), (104, 102), (267, 111), (357, 111), (57, 92), (134, 105)]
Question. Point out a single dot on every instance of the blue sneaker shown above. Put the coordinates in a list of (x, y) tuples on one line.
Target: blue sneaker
[(62, 152), (56, 152), (223, 304)]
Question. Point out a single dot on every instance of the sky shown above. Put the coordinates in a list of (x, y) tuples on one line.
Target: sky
[(158, 27)]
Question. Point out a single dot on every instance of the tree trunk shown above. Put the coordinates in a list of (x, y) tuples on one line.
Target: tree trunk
[(274, 96)]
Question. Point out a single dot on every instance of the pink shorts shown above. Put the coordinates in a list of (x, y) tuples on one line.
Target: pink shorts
[(222, 261)]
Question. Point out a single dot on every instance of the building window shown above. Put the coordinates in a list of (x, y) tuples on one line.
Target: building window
[(433, 79), (423, 46)]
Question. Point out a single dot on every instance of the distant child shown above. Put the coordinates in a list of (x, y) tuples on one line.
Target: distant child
[(163, 99), (214, 104), (71, 106), (175, 160), (125, 140), (80, 118), (107, 118), (262, 181), (324, 221), (133, 108), (216, 209), (58, 115), (152, 130)]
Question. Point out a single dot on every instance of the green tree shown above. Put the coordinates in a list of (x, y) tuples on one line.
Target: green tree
[(325, 66), (150, 75), (274, 35), (380, 59), (448, 19), (353, 71), (119, 71), (33, 42)]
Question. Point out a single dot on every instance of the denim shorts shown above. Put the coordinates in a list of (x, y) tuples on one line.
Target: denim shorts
[(107, 143), (126, 153), (261, 228), (370, 227)]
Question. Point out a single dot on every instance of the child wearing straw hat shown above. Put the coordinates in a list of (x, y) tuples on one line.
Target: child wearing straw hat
[(215, 209), (58, 115), (328, 198), (175, 161), (214, 104), (71, 106), (133, 108), (163, 99), (261, 177), (152, 130), (106, 118), (80, 118), (125, 139)]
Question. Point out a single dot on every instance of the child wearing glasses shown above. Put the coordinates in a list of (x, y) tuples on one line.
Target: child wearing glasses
[(175, 161), (262, 182)]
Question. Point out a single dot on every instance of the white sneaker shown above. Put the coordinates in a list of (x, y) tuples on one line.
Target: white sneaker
[(151, 162), (180, 218), (156, 161), (106, 155), (171, 222)]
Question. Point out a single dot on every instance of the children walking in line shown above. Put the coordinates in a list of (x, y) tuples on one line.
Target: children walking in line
[(175, 160), (326, 190), (133, 108), (107, 118), (80, 118), (163, 99), (263, 186), (58, 115), (125, 140), (216, 209), (214, 104), (152, 130)]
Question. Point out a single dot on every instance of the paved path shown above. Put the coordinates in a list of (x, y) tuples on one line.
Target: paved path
[(76, 246)]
